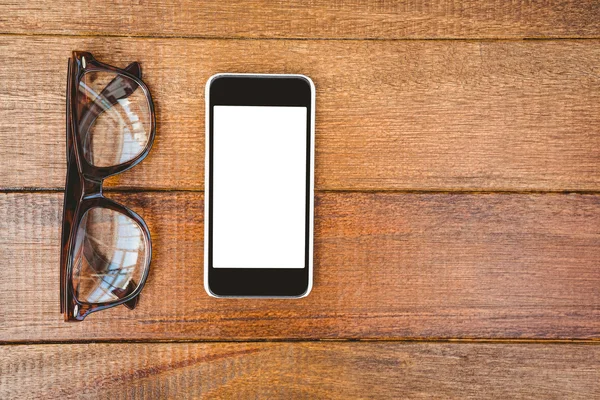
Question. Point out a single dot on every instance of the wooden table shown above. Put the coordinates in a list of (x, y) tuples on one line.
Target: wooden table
[(457, 237)]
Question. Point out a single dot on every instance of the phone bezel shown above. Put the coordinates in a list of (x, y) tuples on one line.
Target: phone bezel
[(259, 90)]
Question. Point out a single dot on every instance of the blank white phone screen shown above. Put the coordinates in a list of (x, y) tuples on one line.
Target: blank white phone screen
[(259, 186)]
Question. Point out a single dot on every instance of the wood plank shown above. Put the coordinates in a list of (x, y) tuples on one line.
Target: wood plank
[(300, 370), (386, 266), (426, 115), (306, 19)]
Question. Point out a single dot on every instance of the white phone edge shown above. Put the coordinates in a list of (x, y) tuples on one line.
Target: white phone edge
[(311, 185)]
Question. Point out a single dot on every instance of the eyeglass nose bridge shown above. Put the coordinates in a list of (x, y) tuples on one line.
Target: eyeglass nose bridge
[(92, 188)]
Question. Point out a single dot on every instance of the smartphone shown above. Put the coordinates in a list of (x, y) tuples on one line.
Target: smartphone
[(259, 185)]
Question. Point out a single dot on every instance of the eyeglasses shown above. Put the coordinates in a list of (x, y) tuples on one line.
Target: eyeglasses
[(106, 249)]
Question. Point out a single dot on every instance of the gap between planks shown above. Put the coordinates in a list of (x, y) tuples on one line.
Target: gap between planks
[(459, 341), (365, 39), (379, 190)]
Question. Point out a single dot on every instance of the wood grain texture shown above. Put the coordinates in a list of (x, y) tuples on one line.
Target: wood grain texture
[(425, 115), (386, 266), (300, 371), (306, 19)]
